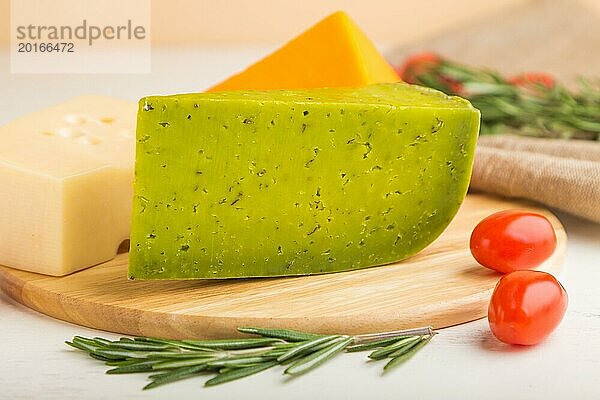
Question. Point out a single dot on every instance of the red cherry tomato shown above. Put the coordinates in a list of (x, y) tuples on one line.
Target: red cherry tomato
[(513, 240), (526, 307), (418, 64), (530, 79)]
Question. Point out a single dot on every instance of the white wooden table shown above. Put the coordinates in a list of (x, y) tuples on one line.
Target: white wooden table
[(463, 362)]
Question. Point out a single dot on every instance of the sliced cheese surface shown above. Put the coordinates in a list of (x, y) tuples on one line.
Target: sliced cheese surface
[(332, 53), (66, 173), (269, 183)]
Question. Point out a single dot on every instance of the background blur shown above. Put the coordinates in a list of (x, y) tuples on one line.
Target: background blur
[(270, 22), (197, 43)]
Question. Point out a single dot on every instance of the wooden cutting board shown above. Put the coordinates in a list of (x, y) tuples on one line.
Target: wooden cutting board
[(441, 286)]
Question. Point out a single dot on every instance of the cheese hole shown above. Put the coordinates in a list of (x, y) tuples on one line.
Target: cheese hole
[(68, 132), (107, 120), (75, 119), (89, 140), (48, 133), (123, 247)]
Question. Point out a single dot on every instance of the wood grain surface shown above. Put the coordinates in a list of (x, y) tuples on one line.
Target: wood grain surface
[(441, 286)]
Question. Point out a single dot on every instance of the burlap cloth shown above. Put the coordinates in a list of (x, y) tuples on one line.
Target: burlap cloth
[(563, 174), (561, 37)]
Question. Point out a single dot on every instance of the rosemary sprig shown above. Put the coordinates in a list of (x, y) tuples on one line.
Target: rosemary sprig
[(532, 104), (231, 359)]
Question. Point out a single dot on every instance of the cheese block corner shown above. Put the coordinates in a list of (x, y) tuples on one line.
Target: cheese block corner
[(66, 173), (332, 53)]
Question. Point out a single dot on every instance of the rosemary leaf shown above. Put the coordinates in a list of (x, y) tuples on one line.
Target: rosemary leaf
[(280, 349), (174, 343), (146, 339), (81, 346), (314, 349), (144, 366), (283, 334), (233, 374), (101, 341), (372, 345), (403, 357), (119, 363), (131, 361), (178, 363), (305, 346), (247, 352), (284, 345), (233, 343), (229, 362), (85, 342), (175, 375), (385, 351), (406, 348), (103, 354), (116, 354), (292, 360), (182, 355), (313, 360), (275, 352), (125, 345), (374, 337), (98, 357)]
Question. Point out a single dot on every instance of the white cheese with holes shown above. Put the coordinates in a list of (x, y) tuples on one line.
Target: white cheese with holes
[(66, 176)]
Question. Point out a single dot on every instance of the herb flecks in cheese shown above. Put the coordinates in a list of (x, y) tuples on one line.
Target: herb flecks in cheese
[(239, 184)]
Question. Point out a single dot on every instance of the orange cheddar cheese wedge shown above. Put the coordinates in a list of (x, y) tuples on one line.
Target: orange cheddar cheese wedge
[(332, 53)]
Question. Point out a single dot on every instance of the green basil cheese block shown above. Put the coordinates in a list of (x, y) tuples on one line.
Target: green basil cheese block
[(269, 183)]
